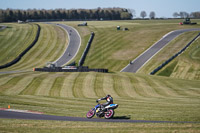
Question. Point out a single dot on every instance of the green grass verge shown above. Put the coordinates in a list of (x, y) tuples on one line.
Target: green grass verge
[(93, 127), (139, 96), (168, 71), (114, 49), (51, 44), (185, 66), (15, 39)]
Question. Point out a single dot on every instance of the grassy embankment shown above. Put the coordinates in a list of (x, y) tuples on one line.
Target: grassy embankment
[(185, 66), (51, 44), (89, 127), (14, 39), (114, 49), (140, 96)]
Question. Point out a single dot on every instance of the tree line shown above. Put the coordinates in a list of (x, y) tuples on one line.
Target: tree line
[(183, 14), (11, 15), (152, 14)]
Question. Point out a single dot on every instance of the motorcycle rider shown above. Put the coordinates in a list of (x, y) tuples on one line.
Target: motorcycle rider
[(109, 100)]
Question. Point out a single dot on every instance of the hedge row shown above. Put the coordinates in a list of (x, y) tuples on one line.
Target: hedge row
[(174, 56), (81, 61), (24, 52)]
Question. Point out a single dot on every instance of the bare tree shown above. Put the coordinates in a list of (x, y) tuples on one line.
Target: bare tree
[(195, 15), (132, 11), (152, 15), (175, 15), (143, 14), (184, 14)]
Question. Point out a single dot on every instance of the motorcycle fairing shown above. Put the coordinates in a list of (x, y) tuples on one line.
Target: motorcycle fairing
[(112, 106)]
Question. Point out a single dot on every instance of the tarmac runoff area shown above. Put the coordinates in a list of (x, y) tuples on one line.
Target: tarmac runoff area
[(142, 59), (32, 115)]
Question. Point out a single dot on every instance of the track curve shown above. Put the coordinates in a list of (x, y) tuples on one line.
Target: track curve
[(31, 116), (142, 59), (73, 45)]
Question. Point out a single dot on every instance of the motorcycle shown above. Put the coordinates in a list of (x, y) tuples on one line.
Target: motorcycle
[(107, 113)]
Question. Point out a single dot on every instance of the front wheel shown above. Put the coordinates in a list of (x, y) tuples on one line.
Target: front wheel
[(90, 114), (109, 114)]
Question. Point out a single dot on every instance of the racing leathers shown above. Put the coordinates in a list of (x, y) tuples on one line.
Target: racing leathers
[(109, 100)]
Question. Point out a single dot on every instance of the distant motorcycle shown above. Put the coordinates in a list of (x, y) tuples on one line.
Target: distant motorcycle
[(107, 113)]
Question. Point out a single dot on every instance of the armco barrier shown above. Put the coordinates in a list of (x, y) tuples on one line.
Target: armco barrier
[(78, 69), (81, 62), (24, 52), (174, 56)]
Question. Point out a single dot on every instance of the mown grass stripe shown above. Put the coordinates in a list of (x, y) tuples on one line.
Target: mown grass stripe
[(4, 78), (78, 85), (128, 86), (118, 87), (24, 37), (88, 85), (33, 86), (177, 90), (60, 44), (48, 50), (98, 85), (138, 90), (155, 87), (6, 38), (35, 51), (9, 44), (105, 47), (150, 91), (14, 43), (107, 43), (67, 89), (45, 86), (43, 41), (20, 86), (108, 86), (186, 89), (12, 82), (56, 87), (163, 88)]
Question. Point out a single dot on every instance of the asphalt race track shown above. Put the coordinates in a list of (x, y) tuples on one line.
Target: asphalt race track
[(31, 116), (73, 45), (141, 60)]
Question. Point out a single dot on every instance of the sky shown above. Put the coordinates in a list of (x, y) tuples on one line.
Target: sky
[(162, 8)]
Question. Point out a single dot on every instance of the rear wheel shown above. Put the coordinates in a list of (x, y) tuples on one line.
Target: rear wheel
[(109, 114), (90, 114)]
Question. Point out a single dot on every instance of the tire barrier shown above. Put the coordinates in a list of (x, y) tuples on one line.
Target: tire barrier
[(70, 69), (174, 56), (81, 61), (24, 52)]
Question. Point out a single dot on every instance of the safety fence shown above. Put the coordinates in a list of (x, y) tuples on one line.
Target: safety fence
[(77, 69), (81, 61), (24, 52), (174, 56)]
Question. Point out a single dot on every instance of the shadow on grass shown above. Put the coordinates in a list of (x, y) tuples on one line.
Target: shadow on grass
[(122, 117)]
